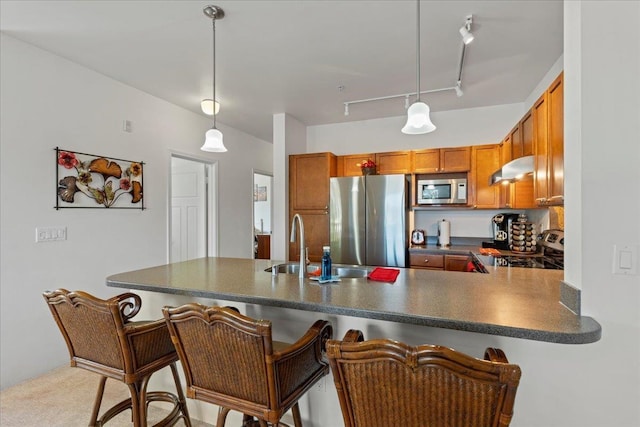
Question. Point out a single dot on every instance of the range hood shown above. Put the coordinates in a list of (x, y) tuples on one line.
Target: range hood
[(513, 170)]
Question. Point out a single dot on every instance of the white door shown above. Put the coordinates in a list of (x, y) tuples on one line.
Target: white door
[(188, 210)]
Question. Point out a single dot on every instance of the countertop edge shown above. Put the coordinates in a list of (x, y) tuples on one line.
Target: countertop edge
[(590, 330)]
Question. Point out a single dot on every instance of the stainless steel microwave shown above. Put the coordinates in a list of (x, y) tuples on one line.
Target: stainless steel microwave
[(442, 191)]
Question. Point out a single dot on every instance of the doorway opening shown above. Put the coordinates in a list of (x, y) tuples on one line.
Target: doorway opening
[(262, 212), (193, 223)]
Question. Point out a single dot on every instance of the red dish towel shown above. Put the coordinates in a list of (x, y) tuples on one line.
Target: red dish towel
[(384, 274)]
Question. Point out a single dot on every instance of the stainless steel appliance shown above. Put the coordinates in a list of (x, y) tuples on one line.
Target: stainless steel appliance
[(368, 217), (442, 191), (550, 255)]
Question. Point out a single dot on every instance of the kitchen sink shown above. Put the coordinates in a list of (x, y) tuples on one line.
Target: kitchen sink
[(346, 271)]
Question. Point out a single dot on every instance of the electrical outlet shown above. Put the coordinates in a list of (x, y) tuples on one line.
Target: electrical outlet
[(50, 234), (321, 385)]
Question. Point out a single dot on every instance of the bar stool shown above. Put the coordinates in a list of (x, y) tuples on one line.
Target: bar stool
[(101, 338), (230, 360), (384, 382)]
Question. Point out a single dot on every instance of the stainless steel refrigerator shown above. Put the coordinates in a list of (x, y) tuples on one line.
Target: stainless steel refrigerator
[(368, 217)]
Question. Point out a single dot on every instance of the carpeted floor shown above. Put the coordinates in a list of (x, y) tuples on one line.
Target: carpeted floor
[(64, 398)]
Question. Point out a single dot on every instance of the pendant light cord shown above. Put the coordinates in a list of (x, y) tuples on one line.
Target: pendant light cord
[(418, 53), (214, 73)]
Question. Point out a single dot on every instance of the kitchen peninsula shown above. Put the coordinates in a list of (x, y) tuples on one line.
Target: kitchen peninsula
[(512, 302)]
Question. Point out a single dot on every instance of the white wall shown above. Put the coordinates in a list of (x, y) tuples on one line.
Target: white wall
[(47, 101), (474, 126)]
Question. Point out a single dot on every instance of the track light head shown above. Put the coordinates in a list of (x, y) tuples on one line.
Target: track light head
[(458, 90), (465, 30)]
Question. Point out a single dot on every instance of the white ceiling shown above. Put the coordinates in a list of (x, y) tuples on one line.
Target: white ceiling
[(292, 56)]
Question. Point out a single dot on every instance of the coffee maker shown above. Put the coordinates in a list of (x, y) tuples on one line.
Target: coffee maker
[(501, 225), (502, 229)]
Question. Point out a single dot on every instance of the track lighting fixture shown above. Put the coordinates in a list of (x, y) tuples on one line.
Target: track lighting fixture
[(465, 30), (458, 89), (424, 108), (213, 138)]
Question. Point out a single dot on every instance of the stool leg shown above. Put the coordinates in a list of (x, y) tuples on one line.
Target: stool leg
[(222, 416), (297, 421), (98, 401), (181, 399)]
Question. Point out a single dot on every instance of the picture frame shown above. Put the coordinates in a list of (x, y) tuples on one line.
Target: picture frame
[(91, 181), (260, 194)]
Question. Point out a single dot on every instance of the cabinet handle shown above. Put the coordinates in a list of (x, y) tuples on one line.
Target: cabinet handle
[(426, 260)]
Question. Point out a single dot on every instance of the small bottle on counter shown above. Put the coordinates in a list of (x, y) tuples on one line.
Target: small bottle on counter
[(325, 273)]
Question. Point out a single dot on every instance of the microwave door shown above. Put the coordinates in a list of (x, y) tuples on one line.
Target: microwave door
[(436, 193)]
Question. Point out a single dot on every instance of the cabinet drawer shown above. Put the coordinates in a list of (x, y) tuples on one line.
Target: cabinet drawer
[(456, 262), (426, 261)]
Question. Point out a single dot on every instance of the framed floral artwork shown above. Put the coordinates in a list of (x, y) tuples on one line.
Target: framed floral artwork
[(89, 181)]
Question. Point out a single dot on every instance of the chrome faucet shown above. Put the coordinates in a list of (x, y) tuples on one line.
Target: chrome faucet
[(303, 264)]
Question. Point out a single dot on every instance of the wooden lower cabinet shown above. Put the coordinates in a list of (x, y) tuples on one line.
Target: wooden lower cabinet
[(431, 261), (263, 242), (316, 235), (456, 262)]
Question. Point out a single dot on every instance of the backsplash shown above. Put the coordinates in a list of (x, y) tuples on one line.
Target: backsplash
[(478, 223)]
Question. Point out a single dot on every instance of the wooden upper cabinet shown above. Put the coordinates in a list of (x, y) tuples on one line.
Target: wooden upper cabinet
[(309, 180), (349, 165), (526, 133), (452, 159), (426, 161), (516, 142), (555, 141), (548, 136), (394, 162), (540, 150), (485, 160), (506, 150)]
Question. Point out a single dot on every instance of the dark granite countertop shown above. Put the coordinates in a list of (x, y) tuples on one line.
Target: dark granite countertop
[(514, 302)]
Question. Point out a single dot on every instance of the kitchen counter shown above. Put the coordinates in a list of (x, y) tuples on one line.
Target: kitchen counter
[(513, 302)]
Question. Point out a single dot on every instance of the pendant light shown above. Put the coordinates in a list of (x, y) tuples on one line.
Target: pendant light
[(418, 121), (213, 138)]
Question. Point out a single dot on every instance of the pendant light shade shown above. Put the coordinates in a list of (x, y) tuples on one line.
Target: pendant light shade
[(213, 142), (418, 120), (213, 138), (209, 107)]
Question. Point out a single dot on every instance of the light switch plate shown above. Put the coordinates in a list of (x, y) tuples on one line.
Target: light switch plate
[(625, 259)]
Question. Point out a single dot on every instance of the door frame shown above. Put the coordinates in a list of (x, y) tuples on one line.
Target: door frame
[(253, 211), (212, 206)]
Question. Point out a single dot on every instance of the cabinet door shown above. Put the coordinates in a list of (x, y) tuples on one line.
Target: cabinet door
[(526, 132), (456, 262), (540, 178), (316, 235), (393, 162), (457, 159), (485, 160), (505, 157), (429, 261), (519, 195), (555, 143), (517, 149), (350, 164), (309, 180), (426, 161)]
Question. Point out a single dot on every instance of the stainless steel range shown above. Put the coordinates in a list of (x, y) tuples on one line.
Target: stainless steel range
[(550, 255)]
